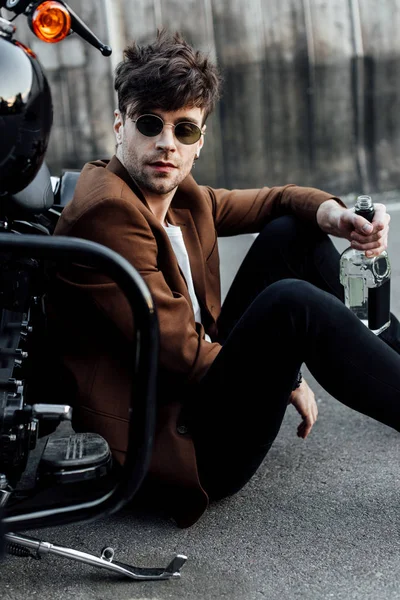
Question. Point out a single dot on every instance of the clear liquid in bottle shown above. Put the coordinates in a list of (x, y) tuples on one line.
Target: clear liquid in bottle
[(366, 281)]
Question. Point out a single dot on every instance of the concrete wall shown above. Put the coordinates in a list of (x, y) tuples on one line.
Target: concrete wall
[(311, 88)]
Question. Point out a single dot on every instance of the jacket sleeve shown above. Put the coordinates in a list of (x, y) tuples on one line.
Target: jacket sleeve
[(247, 211), (119, 226)]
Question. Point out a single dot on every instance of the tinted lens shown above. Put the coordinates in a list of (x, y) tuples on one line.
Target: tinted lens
[(187, 133), (149, 125)]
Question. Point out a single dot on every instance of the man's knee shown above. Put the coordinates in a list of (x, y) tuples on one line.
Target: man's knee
[(300, 304), (286, 288), (292, 292), (284, 225)]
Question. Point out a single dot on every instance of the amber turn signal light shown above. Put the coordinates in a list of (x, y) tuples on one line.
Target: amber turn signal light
[(51, 22)]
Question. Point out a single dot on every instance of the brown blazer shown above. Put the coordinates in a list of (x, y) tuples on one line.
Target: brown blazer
[(93, 320)]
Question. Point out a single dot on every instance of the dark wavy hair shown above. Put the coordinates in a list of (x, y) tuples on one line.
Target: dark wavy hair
[(167, 74)]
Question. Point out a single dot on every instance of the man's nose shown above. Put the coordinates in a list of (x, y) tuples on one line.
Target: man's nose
[(166, 139)]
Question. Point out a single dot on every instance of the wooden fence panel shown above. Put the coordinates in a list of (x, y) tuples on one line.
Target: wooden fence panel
[(239, 47), (286, 85), (141, 19), (381, 46), (310, 96), (333, 141)]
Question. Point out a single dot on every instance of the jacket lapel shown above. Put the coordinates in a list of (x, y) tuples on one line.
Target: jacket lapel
[(178, 214), (116, 167), (188, 198)]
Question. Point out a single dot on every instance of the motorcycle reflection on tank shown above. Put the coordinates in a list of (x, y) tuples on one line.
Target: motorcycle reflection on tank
[(50, 475)]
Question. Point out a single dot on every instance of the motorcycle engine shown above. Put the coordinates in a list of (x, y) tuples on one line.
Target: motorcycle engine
[(18, 425)]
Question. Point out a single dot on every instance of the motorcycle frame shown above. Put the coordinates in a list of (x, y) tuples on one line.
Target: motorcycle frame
[(144, 371)]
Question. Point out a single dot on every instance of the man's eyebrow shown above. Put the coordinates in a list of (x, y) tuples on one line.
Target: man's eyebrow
[(182, 119)]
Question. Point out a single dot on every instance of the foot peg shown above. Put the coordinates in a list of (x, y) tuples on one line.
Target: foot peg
[(23, 545)]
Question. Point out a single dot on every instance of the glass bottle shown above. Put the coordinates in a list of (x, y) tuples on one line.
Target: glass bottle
[(366, 281)]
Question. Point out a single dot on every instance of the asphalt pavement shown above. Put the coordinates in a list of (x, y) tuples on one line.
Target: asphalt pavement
[(319, 520)]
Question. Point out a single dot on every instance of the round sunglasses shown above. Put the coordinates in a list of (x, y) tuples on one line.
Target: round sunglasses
[(152, 125)]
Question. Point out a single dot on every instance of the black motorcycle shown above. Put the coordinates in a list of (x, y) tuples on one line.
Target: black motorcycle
[(50, 475)]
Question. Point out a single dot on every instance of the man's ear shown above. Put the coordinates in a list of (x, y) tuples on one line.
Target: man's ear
[(118, 124), (201, 142)]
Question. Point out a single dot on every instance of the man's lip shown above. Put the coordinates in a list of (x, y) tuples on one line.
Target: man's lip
[(159, 163)]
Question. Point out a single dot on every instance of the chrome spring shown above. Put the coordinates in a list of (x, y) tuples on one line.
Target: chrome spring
[(17, 550)]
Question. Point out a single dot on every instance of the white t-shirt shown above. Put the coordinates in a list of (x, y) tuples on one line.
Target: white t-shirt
[(178, 245)]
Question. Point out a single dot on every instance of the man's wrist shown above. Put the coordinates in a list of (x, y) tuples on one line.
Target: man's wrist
[(327, 215)]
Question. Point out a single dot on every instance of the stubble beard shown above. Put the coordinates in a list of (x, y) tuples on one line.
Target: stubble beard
[(157, 183)]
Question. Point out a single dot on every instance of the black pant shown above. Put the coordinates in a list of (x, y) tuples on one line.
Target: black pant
[(285, 307)]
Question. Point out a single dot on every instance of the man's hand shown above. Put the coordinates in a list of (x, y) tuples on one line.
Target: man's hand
[(303, 400), (342, 222)]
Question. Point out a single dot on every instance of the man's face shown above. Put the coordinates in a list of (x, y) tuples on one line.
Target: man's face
[(158, 164)]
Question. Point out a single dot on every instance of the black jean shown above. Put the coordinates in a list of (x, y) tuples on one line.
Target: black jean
[(285, 308)]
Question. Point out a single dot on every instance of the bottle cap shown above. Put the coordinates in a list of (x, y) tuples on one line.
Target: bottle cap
[(365, 207)]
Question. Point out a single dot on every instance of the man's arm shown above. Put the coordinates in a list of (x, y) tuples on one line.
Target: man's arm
[(248, 211), (343, 222)]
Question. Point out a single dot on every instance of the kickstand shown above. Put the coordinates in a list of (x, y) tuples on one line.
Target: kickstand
[(27, 546)]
